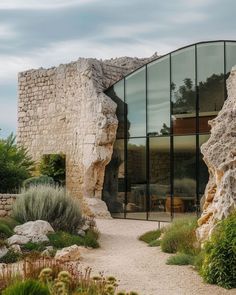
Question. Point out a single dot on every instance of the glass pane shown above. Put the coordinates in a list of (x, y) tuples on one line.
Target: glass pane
[(136, 178), (114, 181), (158, 97), (210, 76), (135, 97), (159, 173), (183, 94), (203, 170), (230, 56), (116, 92), (184, 174)]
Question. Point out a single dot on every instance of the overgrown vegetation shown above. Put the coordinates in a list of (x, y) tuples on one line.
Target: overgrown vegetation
[(11, 257), (53, 166), (63, 239), (38, 180), (180, 237), (57, 278), (151, 237), (15, 165), (219, 263), (48, 203), (27, 287), (180, 259)]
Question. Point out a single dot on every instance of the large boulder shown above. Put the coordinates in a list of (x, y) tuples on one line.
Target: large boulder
[(32, 231), (220, 156)]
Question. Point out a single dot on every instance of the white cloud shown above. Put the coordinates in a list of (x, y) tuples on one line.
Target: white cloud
[(41, 4), (6, 31)]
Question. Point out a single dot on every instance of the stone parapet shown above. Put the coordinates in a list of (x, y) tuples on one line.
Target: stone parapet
[(6, 202)]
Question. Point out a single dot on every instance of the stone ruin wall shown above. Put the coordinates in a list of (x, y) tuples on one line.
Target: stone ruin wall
[(6, 202), (220, 156), (64, 110)]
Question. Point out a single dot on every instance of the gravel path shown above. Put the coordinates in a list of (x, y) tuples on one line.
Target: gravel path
[(139, 267)]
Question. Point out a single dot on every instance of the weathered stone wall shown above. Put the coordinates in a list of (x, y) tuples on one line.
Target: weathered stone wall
[(6, 202), (64, 110), (220, 156)]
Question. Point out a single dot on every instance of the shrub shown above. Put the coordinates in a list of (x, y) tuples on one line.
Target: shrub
[(180, 237), (150, 236), (155, 243), (63, 239), (11, 257), (54, 166), (34, 246), (15, 165), (180, 259), (48, 203), (28, 287), (219, 265), (6, 227), (37, 180)]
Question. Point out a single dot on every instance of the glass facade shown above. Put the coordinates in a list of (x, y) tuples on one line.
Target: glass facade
[(157, 171)]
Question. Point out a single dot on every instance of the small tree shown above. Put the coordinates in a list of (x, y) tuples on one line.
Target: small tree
[(15, 165)]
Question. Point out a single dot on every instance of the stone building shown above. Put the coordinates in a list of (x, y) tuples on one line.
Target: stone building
[(64, 110)]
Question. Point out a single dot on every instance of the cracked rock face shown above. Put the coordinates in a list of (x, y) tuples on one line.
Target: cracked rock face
[(64, 110), (220, 156)]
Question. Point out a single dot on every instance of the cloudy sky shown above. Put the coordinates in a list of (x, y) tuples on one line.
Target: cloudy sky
[(43, 33)]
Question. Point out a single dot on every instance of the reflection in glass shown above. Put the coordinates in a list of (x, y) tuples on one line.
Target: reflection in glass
[(135, 97), (210, 77), (158, 97), (136, 178), (114, 181), (184, 174), (183, 94), (116, 92), (159, 177), (203, 170), (230, 56)]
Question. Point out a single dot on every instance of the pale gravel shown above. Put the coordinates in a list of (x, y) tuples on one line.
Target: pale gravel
[(139, 267)]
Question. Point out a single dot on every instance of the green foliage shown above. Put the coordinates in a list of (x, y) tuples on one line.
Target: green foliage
[(180, 237), (63, 239), (155, 243), (48, 203), (28, 287), (180, 259), (15, 165), (219, 265), (11, 257), (37, 180), (6, 227), (30, 246), (150, 236), (54, 166)]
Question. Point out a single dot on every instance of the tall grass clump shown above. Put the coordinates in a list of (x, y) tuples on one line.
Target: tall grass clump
[(49, 203), (219, 262), (180, 236), (28, 287)]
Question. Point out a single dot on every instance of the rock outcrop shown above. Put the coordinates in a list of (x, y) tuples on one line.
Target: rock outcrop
[(64, 110), (220, 156)]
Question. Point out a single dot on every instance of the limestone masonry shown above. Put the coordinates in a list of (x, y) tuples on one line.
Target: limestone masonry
[(220, 156), (64, 110), (6, 202)]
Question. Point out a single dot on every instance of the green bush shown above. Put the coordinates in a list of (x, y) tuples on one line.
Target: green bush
[(155, 243), (28, 287), (180, 259), (150, 236), (11, 257), (30, 246), (63, 239), (6, 227), (219, 265), (48, 203), (54, 166), (180, 237), (37, 180), (15, 165)]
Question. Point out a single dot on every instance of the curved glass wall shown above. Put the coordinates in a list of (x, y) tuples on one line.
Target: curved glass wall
[(157, 171)]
